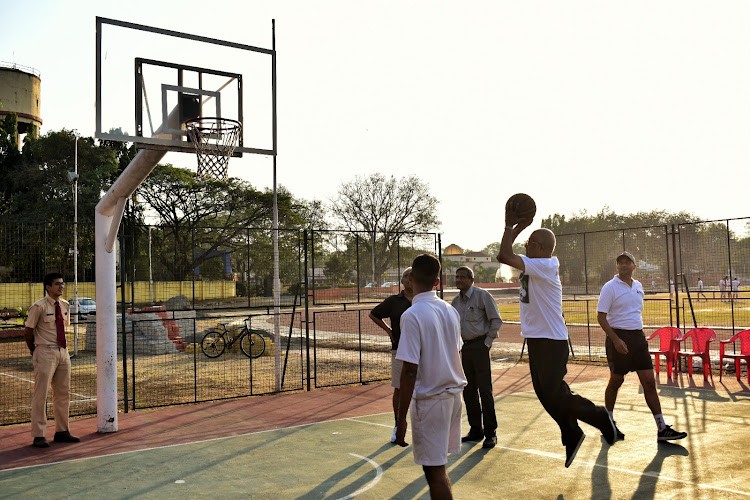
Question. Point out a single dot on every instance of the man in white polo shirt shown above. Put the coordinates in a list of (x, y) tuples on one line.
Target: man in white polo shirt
[(620, 315), (432, 378)]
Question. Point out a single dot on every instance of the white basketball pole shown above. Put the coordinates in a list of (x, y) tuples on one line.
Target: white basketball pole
[(107, 220)]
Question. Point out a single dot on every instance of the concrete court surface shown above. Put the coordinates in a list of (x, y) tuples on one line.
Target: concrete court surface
[(333, 443)]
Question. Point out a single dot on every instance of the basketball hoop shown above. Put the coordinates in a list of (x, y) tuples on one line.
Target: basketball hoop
[(214, 140)]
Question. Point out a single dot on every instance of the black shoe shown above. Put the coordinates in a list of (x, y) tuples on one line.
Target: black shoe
[(666, 434), (66, 437), (606, 425), (40, 442), (571, 449), (489, 442), (472, 436), (618, 434)]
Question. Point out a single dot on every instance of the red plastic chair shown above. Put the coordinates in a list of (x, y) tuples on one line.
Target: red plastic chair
[(666, 348), (700, 339), (744, 338)]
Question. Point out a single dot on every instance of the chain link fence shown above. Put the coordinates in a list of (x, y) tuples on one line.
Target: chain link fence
[(178, 285)]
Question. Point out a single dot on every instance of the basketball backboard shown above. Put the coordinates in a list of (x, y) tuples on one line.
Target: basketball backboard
[(149, 81)]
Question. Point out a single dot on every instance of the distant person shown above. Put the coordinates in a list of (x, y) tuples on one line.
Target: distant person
[(392, 308), (735, 288), (723, 284), (45, 337), (653, 285), (619, 313), (700, 290), (543, 327), (432, 379), (480, 322)]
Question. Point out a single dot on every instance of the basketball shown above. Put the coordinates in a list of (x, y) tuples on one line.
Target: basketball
[(522, 205)]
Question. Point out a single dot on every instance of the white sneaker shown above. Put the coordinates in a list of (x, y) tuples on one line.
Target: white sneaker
[(393, 436)]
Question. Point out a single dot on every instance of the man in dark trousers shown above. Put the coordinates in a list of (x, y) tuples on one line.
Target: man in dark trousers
[(543, 327), (392, 308), (480, 322)]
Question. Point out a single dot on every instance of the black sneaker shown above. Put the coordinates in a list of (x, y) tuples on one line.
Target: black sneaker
[(669, 434), (618, 433), (489, 442), (606, 425), (571, 449)]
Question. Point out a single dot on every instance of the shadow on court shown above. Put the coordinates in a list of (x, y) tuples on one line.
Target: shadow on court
[(333, 443)]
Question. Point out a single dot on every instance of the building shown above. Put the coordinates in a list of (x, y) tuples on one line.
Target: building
[(20, 92), (485, 267)]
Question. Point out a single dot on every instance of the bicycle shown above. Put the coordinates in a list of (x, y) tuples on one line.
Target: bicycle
[(252, 344)]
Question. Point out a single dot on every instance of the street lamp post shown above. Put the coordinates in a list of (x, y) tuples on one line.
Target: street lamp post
[(150, 271), (73, 178)]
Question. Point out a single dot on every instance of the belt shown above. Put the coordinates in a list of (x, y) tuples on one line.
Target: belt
[(50, 346), (622, 330), (475, 339)]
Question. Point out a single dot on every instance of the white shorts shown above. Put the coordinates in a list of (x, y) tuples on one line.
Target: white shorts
[(396, 366), (436, 428)]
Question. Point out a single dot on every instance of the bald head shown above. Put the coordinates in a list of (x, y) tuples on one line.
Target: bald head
[(546, 240)]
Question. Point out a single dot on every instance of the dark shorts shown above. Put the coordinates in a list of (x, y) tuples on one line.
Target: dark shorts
[(637, 358)]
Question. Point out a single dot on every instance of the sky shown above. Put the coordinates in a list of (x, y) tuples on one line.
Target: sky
[(634, 106)]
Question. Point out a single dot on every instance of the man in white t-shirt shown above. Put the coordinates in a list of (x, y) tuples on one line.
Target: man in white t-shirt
[(432, 378), (700, 290), (543, 327), (735, 288), (619, 313)]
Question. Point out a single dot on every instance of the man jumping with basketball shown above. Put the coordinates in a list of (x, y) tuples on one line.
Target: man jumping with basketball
[(543, 327)]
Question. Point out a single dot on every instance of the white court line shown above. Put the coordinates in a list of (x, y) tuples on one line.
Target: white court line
[(202, 441), (17, 378), (369, 423), (378, 475), (546, 454), (527, 451), (82, 397)]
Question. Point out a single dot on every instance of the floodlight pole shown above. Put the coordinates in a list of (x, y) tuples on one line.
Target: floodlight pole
[(276, 279), (150, 270), (75, 251)]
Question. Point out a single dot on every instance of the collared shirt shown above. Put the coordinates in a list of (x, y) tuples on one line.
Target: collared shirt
[(622, 303), (431, 339), (479, 314), (42, 319)]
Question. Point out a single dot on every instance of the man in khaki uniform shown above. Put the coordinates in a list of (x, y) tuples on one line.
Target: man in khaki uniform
[(45, 337)]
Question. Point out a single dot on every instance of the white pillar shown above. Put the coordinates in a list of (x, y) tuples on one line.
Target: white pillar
[(107, 220), (106, 328)]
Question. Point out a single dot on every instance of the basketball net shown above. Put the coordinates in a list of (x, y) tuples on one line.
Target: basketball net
[(214, 140)]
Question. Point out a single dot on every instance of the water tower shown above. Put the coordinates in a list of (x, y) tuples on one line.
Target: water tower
[(20, 90)]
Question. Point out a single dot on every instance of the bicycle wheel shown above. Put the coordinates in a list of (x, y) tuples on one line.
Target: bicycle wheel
[(253, 345), (213, 344)]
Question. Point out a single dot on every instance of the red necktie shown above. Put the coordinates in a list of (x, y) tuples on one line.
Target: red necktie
[(60, 324)]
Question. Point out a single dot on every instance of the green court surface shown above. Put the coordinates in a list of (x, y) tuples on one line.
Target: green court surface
[(351, 457)]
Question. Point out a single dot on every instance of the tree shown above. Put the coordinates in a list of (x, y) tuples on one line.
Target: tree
[(201, 219), (36, 193), (385, 209)]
